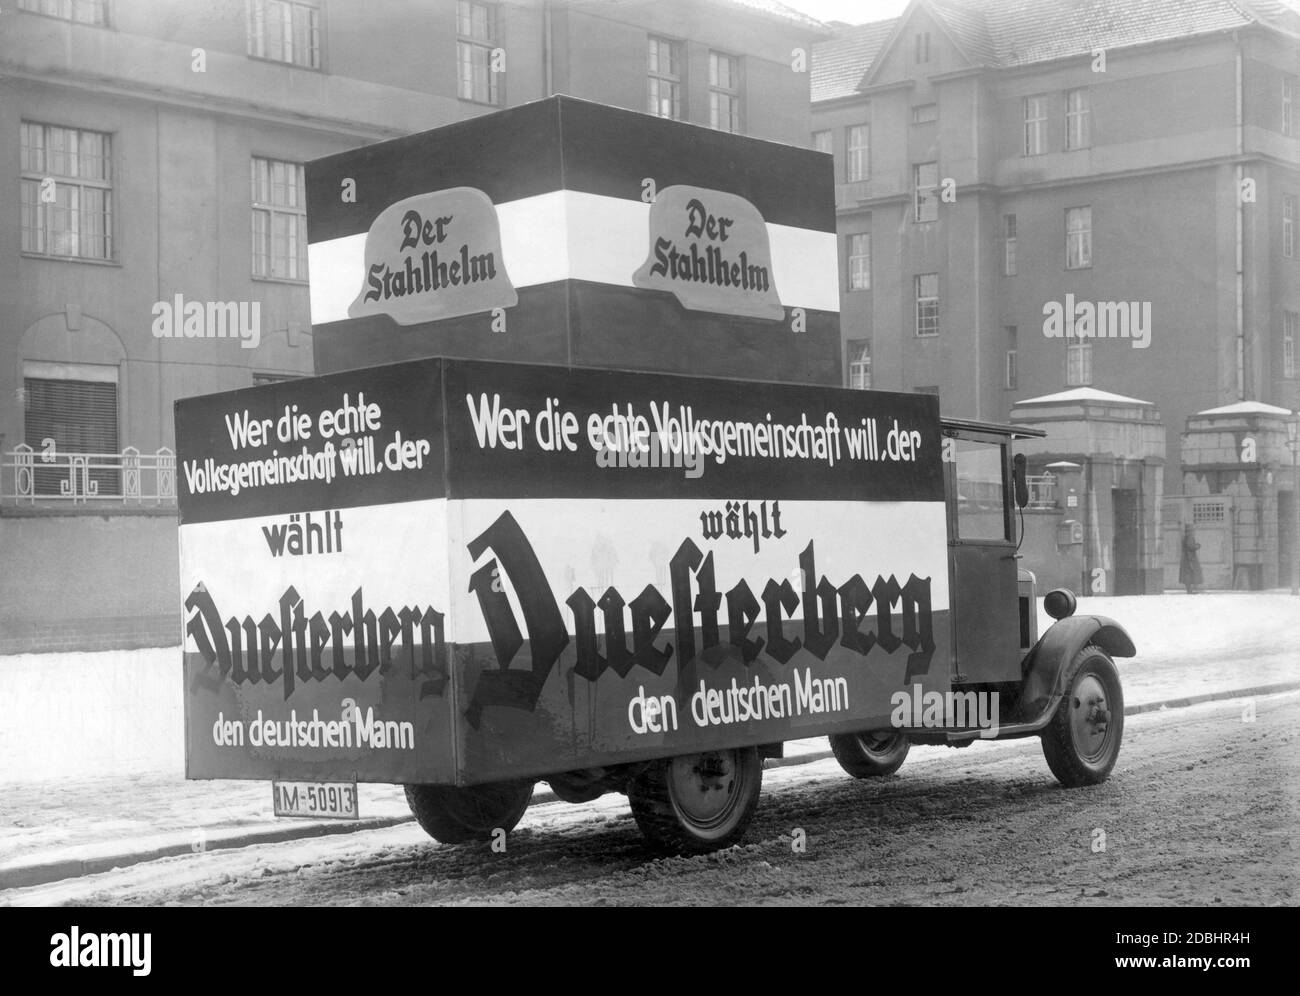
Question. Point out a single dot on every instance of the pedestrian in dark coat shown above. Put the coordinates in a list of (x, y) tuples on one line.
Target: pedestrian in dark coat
[(1189, 568)]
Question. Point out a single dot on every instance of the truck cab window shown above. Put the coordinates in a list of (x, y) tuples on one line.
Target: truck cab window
[(981, 490)]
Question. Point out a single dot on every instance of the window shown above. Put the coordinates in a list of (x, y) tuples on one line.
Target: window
[(923, 46), (279, 220), (81, 11), (724, 92), (1204, 512), (858, 144), (860, 364), (66, 191), (76, 406), (1288, 225), (1288, 105), (476, 39), (1078, 125), (284, 32), (925, 113), (1078, 238), (1078, 361), (665, 80), (823, 141), (1013, 360), (1008, 245), (980, 469), (860, 261), (925, 181), (926, 286), (1290, 322), (1036, 125)]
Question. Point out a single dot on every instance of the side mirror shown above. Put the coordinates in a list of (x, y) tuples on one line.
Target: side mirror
[(1019, 480)]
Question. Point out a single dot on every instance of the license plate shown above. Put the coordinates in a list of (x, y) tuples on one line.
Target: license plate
[(317, 800)]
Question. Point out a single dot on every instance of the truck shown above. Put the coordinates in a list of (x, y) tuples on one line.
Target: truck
[(574, 497)]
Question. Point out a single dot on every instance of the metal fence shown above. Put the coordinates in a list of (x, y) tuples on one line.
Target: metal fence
[(40, 478), (1042, 490)]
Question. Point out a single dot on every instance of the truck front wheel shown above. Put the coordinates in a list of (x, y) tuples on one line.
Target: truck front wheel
[(453, 815), (697, 802), (870, 755), (1081, 743)]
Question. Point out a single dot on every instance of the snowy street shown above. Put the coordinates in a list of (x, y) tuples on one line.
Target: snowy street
[(1187, 647), (1201, 809)]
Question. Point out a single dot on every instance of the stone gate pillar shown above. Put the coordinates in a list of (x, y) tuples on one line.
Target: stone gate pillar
[(1239, 451)]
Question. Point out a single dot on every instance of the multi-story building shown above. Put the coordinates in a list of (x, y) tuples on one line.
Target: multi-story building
[(153, 242), (1039, 196)]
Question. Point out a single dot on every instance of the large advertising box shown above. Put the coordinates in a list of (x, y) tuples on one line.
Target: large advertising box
[(572, 233), (460, 571)]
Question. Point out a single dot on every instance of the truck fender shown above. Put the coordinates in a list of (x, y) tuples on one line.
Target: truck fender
[(1046, 664)]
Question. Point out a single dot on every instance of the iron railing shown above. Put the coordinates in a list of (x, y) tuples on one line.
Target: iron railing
[(40, 478), (1042, 490)]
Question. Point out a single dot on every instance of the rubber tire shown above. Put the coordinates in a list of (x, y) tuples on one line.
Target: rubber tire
[(453, 815), (860, 760), (1070, 768), (652, 795)]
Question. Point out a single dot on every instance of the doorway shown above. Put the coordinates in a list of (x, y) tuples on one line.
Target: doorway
[(1124, 508)]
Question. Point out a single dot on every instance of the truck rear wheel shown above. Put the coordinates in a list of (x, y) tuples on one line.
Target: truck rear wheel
[(697, 802), (453, 815), (872, 754), (1081, 743)]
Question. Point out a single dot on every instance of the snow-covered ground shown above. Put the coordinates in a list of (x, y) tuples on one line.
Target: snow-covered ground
[(91, 744), (1197, 813)]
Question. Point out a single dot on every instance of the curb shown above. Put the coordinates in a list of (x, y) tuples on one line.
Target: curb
[(44, 872)]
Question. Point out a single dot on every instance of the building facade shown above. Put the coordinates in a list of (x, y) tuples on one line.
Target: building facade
[(153, 243), (1038, 197)]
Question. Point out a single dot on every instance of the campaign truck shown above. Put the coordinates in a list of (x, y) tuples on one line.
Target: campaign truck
[(575, 498)]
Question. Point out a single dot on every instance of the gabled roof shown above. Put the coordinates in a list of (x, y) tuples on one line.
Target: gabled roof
[(838, 64), (1029, 31), (1247, 408), (771, 9), (1080, 395), (777, 10), (968, 29), (1010, 33)]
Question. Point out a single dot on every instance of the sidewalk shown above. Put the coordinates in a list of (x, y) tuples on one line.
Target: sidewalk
[(64, 828)]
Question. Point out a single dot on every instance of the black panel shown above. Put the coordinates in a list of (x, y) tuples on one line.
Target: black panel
[(508, 155), (536, 332), (574, 144), (476, 471), (408, 398), (633, 329), (609, 151)]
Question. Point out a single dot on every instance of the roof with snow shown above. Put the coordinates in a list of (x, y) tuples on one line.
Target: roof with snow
[(1247, 408), (837, 65), (1080, 395), (1009, 33), (774, 9)]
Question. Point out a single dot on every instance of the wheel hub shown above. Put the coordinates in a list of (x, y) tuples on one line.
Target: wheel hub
[(704, 785), (1089, 717)]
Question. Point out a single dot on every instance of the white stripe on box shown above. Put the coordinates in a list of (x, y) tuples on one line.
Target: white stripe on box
[(414, 553), (571, 235)]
